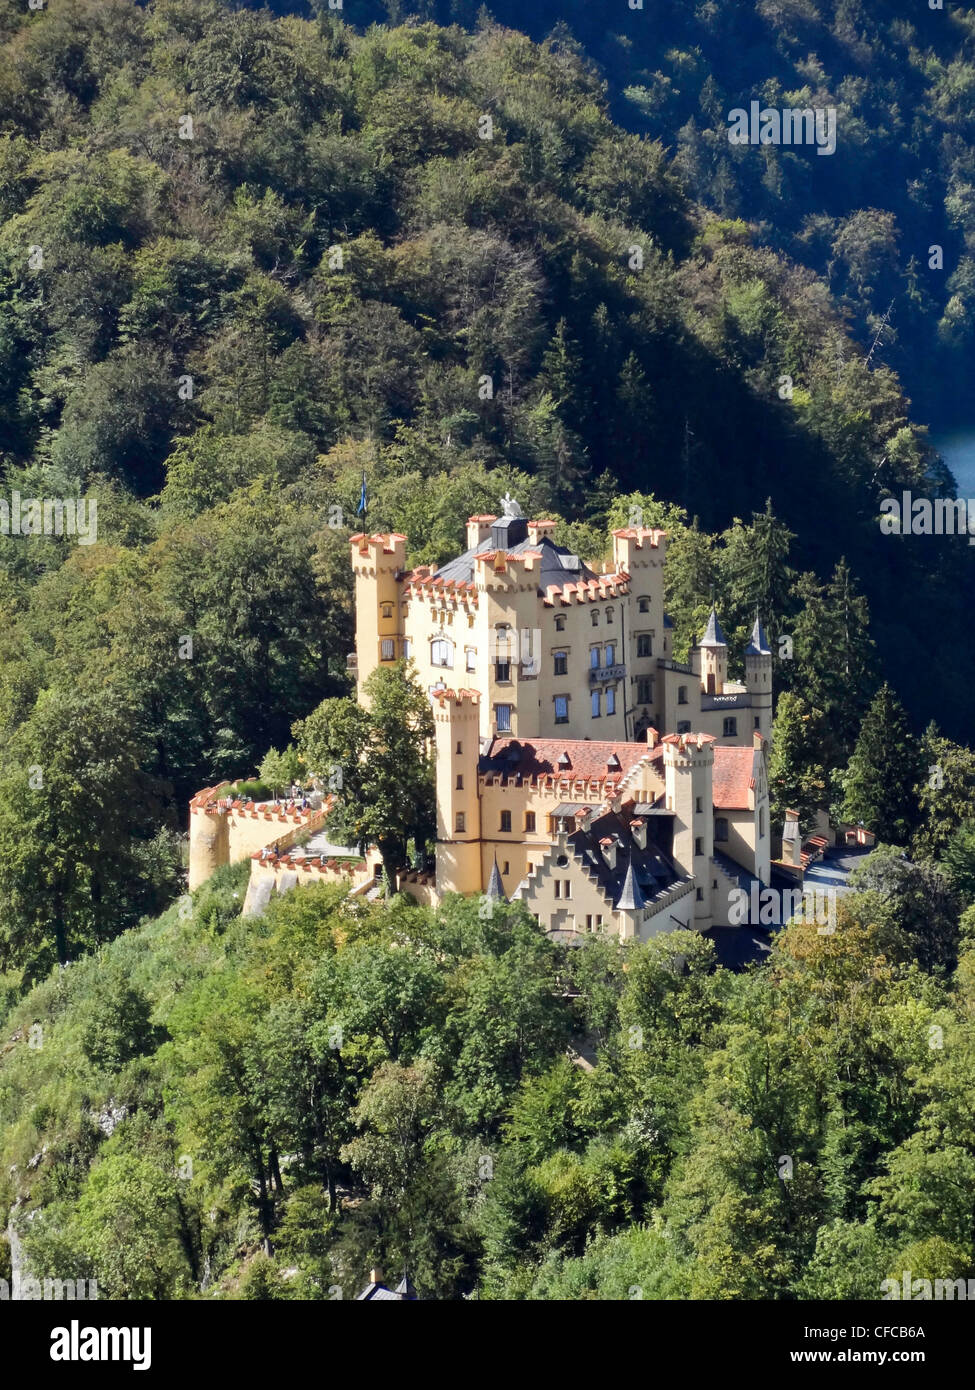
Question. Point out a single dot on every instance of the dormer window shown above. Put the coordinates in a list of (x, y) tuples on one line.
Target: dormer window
[(613, 763), (565, 762)]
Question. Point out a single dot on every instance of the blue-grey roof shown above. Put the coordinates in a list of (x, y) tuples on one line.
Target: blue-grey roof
[(510, 533), (495, 888), (758, 642), (713, 636)]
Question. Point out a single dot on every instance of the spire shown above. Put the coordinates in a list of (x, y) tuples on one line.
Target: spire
[(713, 636), (630, 899), (495, 888), (758, 642)]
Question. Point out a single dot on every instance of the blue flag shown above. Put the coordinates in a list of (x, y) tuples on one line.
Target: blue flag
[(362, 496)]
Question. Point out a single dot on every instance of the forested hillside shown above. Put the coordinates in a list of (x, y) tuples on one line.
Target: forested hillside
[(217, 1109), (249, 264), (246, 261), (900, 74)]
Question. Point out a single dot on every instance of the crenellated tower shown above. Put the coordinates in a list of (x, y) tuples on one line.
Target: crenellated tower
[(455, 718)]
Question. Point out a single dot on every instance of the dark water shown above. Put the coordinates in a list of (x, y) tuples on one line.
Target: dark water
[(957, 448)]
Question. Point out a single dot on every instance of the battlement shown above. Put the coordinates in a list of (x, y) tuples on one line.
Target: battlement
[(377, 552), (604, 586), (465, 701), (677, 746)]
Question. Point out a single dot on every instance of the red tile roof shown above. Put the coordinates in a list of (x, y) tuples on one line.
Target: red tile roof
[(539, 757), (733, 777)]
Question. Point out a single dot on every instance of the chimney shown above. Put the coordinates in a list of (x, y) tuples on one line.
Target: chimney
[(608, 847), (639, 829), (375, 1276), (758, 740), (478, 529), (652, 737)]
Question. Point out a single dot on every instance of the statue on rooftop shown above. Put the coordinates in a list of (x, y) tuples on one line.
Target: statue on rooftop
[(510, 507)]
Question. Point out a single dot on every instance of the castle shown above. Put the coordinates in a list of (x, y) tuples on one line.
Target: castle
[(548, 684)]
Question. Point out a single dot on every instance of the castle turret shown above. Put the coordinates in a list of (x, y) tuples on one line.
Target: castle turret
[(688, 776), (209, 835), (713, 649), (377, 563), (455, 718), (758, 678)]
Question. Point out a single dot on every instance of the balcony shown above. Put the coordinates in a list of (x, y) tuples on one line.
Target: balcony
[(606, 675)]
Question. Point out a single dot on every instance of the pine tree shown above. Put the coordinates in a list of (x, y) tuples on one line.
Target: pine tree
[(880, 782), (833, 656), (797, 780), (756, 565)]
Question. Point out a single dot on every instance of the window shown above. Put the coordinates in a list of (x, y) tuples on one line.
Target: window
[(609, 615), (387, 649), (529, 820), (730, 728), (683, 726), (644, 605), (459, 823), (387, 610), (460, 746), (596, 711), (698, 805), (441, 652), (502, 718), (561, 709), (682, 694), (557, 887), (758, 722), (610, 658), (561, 663), (610, 701), (720, 828), (460, 782), (644, 644), (506, 822), (502, 672), (567, 888), (644, 693), (471, 654), (699, 845), (594, 658), (761, 823), (560, 624), (407, 649), (700, 895), (507, 868), (595, 617)]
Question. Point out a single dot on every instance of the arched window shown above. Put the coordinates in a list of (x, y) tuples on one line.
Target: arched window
[(441, 652), (609, 615), (644, 605), (595, 617)]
